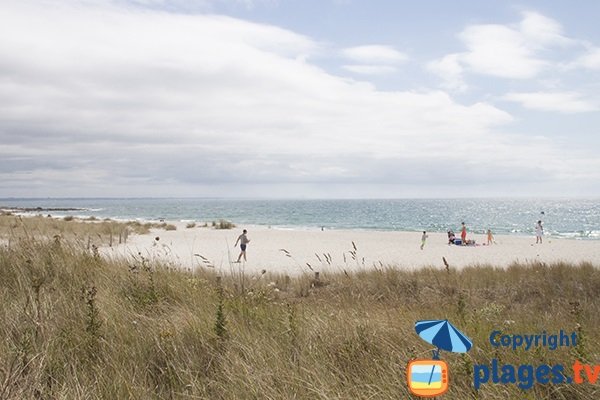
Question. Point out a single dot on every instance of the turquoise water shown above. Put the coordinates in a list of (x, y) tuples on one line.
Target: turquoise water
[(573, 218)]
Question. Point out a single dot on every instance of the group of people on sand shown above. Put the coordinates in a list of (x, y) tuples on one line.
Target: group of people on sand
[(463, 236), (539, 233)]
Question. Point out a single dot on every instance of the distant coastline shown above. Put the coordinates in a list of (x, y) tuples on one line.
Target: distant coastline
[(39, 209)]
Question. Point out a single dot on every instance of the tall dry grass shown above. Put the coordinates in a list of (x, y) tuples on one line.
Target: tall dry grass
[(90, 231), (76, 326)]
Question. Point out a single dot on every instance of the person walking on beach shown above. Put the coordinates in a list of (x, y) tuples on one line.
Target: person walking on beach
[(490, 237), (539, 232), (423, 239), (243, 240), (463, 234)]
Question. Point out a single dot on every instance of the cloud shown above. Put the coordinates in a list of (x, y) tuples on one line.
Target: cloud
[(540, 31), (450, 69), (563, 102), (102, 100), (370, 69), (374, 54), (503, 51), (373, 59), (499, 51), (589, 60), (186, 5)]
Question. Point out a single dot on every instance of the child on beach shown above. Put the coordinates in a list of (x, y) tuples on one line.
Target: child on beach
[(539, 232), (423, 239), (463, 234), (490, 237), (243, 239)]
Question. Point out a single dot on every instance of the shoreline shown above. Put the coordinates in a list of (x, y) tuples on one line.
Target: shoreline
[(191, 245), (35, 212), (569, 217), (295, 252)]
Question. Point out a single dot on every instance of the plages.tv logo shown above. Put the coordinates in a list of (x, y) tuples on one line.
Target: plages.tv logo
[(431, 377)]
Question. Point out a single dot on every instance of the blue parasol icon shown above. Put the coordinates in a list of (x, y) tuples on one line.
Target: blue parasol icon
[(443, 335)]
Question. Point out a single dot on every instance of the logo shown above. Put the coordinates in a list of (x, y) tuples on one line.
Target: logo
[(430, 378), (427, 378), (525, 376)]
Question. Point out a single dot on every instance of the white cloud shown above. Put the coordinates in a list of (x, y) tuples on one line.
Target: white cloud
[(563, 102), (370, 69), (589, 60), (541, 31), (374, 54), (504, 51), (373, 59), (145, 102), (451, 71), (195, 5), (499, 51)]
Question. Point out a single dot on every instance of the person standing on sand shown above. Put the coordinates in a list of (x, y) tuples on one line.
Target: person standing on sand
[(243, 239), (423, 239), (490, 237), (539, 232), (463, 234)]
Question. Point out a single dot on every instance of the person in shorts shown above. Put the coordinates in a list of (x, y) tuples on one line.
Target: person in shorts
[(243, 240)]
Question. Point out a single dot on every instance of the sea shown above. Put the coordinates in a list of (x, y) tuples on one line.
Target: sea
[(567, 218)]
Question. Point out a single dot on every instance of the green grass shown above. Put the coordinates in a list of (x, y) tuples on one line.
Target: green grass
[(77, 326)]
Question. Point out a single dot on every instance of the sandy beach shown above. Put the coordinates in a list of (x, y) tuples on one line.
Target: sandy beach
[(332, 250)]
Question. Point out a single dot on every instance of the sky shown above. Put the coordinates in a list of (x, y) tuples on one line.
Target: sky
[(299, 98)]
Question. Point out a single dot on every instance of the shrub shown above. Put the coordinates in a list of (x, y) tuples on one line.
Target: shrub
[(223, 224)]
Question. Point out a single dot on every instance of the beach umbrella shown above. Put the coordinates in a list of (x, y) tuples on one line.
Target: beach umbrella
[(443, 335)]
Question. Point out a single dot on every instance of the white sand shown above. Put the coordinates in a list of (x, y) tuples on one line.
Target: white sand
[(399, 249)]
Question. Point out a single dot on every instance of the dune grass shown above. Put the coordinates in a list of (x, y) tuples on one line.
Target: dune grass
[(90, 231), (223, 224), (76, 326)]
